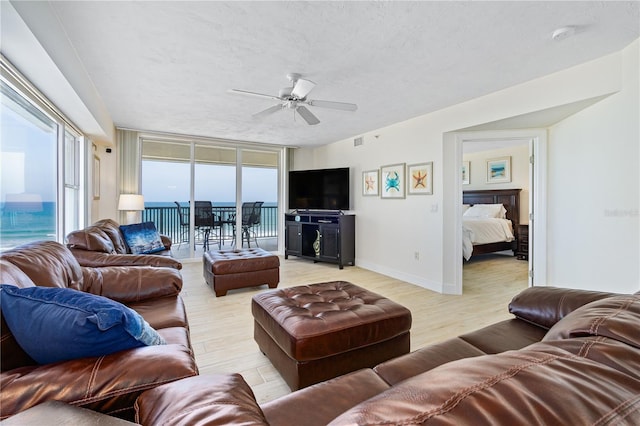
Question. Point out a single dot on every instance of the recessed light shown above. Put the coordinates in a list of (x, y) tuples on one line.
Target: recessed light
[(562, 33)]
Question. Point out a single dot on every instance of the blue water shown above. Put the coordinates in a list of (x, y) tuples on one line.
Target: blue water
[(20, 224)]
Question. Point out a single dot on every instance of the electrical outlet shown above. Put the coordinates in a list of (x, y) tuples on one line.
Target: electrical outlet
[(416, 255)]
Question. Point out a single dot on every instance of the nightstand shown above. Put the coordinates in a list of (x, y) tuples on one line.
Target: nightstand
[(522, 234)]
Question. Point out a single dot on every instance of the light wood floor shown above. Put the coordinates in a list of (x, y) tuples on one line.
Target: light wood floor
[(222, 327)]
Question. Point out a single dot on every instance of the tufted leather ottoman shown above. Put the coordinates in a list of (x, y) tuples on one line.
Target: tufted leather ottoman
[(230, 269), (319, 331)]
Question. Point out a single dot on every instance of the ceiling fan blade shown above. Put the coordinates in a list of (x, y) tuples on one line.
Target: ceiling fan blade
[(267, 111), (334, 105), (259, 95), (307, 115), (302, 88)]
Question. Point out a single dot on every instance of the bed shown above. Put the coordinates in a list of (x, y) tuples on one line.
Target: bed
[(495, 234)]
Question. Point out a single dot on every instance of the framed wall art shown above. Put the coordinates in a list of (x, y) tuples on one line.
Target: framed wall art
[(392, 180), (420, 178), (465, 173), (371, 182), (499, 170)]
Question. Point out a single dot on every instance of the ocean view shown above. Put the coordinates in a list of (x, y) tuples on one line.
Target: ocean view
[(24, 222), (165, 216)]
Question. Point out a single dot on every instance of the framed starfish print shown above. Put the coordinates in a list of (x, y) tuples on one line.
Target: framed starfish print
[(420, 178), (370, 182)]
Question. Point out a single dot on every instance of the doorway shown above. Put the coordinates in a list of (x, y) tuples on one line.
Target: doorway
[(502, 257), (452, 202)]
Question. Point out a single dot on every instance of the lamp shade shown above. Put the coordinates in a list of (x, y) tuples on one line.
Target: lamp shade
[(131, 202)]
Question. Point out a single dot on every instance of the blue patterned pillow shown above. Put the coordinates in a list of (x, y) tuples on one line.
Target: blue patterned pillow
[(56, 324), (142, 238)]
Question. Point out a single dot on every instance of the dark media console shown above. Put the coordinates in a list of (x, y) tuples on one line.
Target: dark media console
[(321, 237)]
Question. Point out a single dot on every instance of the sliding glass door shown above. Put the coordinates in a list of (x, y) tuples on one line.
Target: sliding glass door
[(260, 190), (179, 174), (215, 189), (166, 184)]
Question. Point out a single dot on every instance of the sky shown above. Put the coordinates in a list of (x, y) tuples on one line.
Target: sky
[(28, 160), (27, 154), (169, 182)]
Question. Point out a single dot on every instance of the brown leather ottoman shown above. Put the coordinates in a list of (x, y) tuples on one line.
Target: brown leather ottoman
[(319, 331), (230, 269)]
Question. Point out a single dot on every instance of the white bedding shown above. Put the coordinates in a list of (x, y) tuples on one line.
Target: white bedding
[(477, 230)]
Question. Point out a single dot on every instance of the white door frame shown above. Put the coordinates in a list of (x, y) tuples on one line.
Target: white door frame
[(537, 215)]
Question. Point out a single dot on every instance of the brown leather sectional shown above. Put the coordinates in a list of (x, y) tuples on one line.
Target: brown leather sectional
[(102, 244), (567, 357), (108, 384)]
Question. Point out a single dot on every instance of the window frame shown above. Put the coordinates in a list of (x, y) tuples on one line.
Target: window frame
[(67, 219)]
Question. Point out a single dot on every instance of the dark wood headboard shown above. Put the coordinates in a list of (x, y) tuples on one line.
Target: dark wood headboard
[(509, 198)]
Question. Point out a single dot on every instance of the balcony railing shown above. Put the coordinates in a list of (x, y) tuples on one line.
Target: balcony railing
[(167, 221)]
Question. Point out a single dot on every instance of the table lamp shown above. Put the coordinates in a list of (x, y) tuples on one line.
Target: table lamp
[(132, 204)]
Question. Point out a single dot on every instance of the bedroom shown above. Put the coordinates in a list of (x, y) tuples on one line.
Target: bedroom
[(494, 260)]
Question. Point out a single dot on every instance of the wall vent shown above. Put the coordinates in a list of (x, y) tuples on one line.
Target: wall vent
[(358, 141)]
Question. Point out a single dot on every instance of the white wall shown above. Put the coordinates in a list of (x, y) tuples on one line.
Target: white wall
[(593, 213), (388, 232), (106, 206)]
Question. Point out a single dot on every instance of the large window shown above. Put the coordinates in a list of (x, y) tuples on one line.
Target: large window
[(176, 174), (40, 180)]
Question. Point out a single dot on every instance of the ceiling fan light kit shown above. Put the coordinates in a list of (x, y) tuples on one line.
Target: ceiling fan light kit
[(295, 98)]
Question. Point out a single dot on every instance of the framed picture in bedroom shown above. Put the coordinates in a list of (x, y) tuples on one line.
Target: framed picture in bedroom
[(392, 179), (420, 178), (371, 183), (465, 173), (499, 170)]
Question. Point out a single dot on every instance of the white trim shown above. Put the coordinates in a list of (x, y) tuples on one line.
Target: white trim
[(453, 259), (539, 202)]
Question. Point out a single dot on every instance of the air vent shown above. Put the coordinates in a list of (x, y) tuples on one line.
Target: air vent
[(358, 141)]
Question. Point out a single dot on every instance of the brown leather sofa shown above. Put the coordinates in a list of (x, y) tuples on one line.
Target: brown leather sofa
[(567, 357), (102, 244), (109, 384)]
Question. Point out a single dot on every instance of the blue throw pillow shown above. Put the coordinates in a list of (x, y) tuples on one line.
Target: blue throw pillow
[(56, 324), (142, 238)]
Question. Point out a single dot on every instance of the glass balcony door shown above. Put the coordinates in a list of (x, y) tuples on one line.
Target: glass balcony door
[(215, 184), (260, 190), (166, 187)]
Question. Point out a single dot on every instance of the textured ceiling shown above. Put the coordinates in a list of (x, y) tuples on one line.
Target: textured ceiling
[(168, 66)]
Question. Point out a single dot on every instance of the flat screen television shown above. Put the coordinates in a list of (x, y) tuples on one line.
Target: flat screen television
[(321, 189)]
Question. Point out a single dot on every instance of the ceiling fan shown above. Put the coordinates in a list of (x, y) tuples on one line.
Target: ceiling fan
[(295, 98)]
